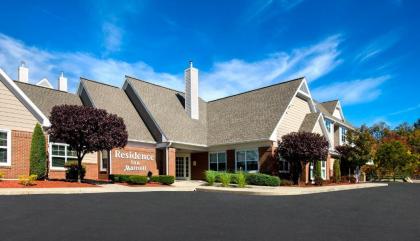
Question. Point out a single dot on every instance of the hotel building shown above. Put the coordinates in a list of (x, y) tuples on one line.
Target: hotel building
[(169, 132)]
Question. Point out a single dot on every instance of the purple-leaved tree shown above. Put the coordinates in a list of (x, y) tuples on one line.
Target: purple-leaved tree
[(300, 148), (87, 129)]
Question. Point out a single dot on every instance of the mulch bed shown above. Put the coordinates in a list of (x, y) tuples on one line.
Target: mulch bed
[(43, 184), (150, 184)]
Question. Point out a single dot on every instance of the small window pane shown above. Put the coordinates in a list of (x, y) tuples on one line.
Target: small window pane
[(213, 166), (3, 155), (213, 158), (251, 156), (240, 166), (3, 138), (70, 152), (58, 161), (240, 156), (222, 166), (252, 166), (221, 157)]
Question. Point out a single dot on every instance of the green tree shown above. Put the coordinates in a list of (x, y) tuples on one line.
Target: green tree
[(394, 158), (336, 170), (317, 173), (38, 156)]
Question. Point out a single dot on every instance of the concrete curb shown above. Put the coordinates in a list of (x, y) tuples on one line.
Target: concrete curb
[(286, 191), (250, 190)]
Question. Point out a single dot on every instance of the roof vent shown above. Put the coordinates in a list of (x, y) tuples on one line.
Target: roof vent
[(191, 91)]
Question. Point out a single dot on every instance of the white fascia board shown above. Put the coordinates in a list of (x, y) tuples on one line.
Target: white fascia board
[(273, 136), (6, 80), (341, 109)]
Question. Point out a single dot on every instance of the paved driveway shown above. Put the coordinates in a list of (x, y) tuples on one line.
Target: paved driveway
[(384, 213)]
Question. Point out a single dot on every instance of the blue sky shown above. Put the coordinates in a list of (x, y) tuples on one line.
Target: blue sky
[(366, 53)]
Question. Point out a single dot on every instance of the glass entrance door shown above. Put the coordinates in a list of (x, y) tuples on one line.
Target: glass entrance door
[(182, 167)]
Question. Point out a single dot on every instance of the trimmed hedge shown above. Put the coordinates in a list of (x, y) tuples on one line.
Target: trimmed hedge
[(137, 180), (259, 179), (163, 179)]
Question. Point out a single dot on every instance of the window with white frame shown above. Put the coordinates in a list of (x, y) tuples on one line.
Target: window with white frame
[(284, 166), (328, 125), (247, 160), (60, 154), (104, 160), (217, 161), (5, 148), (323, 170), (343, 134)]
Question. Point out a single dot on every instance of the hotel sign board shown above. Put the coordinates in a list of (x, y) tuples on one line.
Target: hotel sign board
[(134, 161)]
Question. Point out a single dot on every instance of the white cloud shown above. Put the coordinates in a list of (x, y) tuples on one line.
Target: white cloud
[(112, 37), (378, 46), (237, 75), (223, 78), (351, 92), (48, 64)]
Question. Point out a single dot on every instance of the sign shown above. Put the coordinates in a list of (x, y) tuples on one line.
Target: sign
[(133, 155)]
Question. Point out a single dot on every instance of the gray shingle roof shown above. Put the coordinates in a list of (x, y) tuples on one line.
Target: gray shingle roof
[(309, 122), (249, 116), (114, 100), (46, 98), (327, 108), (166, 107)]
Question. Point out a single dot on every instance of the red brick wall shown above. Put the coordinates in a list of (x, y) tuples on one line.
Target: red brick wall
[(171, 161), (268, 162), (119, 164), (230, 156), (21, 148), (201, 161)]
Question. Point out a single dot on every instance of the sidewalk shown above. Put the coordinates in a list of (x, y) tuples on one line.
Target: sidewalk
[(188, 186), (179, 186), (283, 190)]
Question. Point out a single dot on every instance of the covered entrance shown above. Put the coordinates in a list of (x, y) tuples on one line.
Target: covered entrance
[(183, 166)]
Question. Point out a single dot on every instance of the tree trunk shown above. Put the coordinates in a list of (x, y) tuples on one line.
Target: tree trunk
[(79, 171), (303, 172)]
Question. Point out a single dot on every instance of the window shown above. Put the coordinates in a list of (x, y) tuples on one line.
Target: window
[(328, 125), (5, 148), (323, 171), (343, 134), (284, 166), (217, 161), (247, 160), (60, 154), (104, 160)]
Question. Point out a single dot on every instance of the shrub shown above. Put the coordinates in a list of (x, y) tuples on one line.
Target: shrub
[(241, 179), (119, 178), (234, 178), (318, 178), (1, 175), (137, 180), (336, 171), (166, 180), (350, 179), (225, 179), (38, 154), (27, 180), (262, 179), (210, 177), (285, 182), (72, 170)]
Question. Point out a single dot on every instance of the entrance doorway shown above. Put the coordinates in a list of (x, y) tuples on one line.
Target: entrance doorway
[(182, 167)]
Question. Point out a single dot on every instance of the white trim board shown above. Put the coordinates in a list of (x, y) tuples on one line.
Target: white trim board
[(36, 112)]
